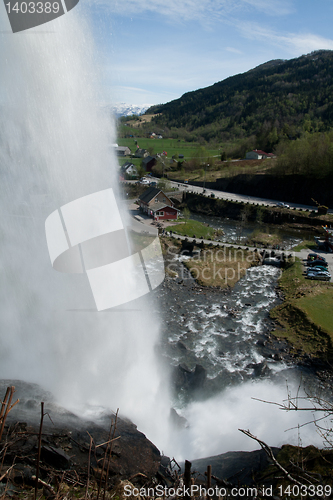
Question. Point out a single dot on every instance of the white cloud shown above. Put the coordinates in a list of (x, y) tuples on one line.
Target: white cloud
[(295, 43), (304, 43), (201, 10), (272, 7), (233, 50)]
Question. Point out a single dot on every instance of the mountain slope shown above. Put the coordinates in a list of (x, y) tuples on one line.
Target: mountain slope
[(278, 97)]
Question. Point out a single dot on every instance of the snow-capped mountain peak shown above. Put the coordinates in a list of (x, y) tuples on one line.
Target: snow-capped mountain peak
[(123, 109)]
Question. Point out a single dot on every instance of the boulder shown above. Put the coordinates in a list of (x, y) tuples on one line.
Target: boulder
[(191, 380), (177, 420), (56, 457)]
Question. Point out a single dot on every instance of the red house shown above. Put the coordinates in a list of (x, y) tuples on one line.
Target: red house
[(164, 212), (157, 204)]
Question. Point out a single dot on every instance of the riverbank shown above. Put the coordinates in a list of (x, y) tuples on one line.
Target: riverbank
[(305, 316), (244, 211)]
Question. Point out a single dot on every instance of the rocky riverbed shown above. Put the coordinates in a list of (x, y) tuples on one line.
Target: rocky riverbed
[(216, 338), (216, 341)]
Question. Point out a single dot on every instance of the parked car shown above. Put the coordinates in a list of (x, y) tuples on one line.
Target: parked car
[(317, 262), (315, 256), (280, 204), (319, 275), (153, 184), (144, 180), (315, 269)]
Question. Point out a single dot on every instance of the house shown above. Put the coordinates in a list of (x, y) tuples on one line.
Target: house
[(122, 151), (129, 171), (164, 212), (256, 154), (157, 204), (148, 163), (141, 153)]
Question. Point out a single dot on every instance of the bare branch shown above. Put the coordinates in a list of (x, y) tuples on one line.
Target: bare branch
[(7, 472), (269, 452)]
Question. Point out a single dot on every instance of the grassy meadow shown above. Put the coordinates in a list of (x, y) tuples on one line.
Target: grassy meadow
[(193, 229), (305, 316)]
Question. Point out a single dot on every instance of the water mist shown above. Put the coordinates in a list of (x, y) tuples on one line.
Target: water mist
[(55, 147)]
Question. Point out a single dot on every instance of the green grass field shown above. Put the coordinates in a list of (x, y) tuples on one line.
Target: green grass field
[(319, 309), (305, 315), (305, 245), (193, 228), (171, 146)]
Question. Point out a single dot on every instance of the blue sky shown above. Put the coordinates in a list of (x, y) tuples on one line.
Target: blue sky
[(153, 51)]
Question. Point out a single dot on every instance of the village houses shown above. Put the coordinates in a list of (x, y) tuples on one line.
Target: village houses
[(157, 204)]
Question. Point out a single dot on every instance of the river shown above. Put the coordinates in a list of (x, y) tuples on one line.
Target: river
[(234, 232), (228, 334)]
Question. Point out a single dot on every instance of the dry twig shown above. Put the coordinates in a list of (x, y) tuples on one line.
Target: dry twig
[(269, 452)]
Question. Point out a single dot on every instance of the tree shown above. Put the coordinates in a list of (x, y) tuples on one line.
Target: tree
[(186, 213)]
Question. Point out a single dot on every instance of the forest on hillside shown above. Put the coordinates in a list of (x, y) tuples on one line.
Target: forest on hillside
[(279, 100)]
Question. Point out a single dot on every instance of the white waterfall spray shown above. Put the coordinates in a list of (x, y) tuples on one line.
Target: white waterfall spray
[(55, 147)]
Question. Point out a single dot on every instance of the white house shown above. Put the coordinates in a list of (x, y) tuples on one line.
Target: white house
[(123, 151), (129, 170), (256, 154)]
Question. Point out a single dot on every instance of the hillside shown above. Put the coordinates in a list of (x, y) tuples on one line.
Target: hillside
[(274, 100)]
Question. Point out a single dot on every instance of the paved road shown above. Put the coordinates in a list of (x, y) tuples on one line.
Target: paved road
[(233, 196)]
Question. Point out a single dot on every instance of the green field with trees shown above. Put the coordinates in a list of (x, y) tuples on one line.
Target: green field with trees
[(274, 107)]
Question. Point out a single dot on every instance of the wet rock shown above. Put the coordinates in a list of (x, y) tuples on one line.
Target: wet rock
[(181, 346), (236, 466), (261, 369), (183, 377), (23, 474), (200, 375), (132, 452), (262, 343), (8, 491), (177, 420), (55, 457)]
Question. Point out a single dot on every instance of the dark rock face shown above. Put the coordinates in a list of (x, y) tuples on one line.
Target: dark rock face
[(55, 457), (177, 420), (260, 369), (237, 467), (192, 381), (66, 442), (68, 450)]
